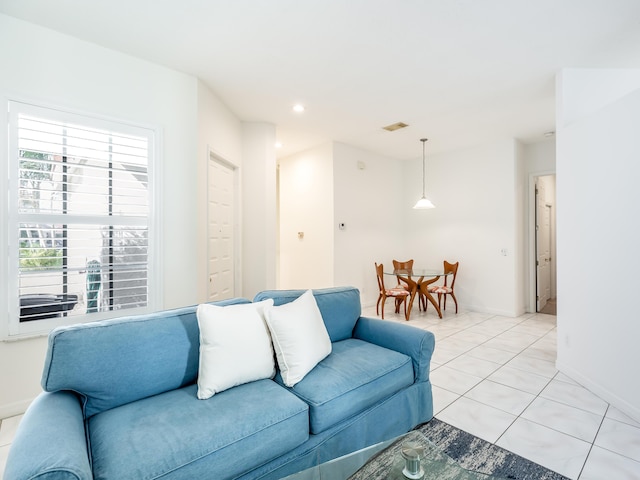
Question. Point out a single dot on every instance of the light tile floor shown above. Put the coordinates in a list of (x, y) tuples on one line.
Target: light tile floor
[(8, 428), (495, 377)]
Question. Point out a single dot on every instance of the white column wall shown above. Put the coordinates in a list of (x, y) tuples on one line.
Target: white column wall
[(598, 237), (306, 204), (258, 208)]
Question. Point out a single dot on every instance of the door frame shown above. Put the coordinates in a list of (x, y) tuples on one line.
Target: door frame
[(531, 224), (213, 156)]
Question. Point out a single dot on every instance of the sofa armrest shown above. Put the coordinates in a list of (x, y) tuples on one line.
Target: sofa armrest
[(50, 441), (414, 342)]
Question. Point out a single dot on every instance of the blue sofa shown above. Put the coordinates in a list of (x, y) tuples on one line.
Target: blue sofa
[(120, 401)]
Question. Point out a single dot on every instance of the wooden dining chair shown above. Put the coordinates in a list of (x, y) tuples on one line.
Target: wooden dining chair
[(451, 271), (399, 294), (405, 280), (406, 267)]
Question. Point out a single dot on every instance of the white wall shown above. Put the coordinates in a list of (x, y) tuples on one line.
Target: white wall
[(540, 157), (478, 194), (519, 224), (306, 206), (480, 197), (220, 132), (368, 198), (598, 236), (43, 66)]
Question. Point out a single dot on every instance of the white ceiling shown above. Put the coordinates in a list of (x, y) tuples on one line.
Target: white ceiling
[(460, 72)]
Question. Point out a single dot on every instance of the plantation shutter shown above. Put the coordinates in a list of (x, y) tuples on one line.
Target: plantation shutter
[(82, 222)]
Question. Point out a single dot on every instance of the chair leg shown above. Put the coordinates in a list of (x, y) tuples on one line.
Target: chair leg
[(378, 304), (455, 300), (445, 301), (382, 306)]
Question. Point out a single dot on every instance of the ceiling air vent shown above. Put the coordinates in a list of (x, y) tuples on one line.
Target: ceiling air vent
[(395, 126)]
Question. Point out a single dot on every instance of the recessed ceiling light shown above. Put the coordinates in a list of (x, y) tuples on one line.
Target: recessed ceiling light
[(299, 108), (278, 145)]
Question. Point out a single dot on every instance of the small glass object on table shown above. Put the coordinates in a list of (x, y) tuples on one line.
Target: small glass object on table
[(412, 452)]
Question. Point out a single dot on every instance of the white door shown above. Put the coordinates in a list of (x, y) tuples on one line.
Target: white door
[(543, 247), (220, 230)]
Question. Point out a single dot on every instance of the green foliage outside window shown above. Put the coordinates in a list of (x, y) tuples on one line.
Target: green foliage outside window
[(40, 258), (35, 167)]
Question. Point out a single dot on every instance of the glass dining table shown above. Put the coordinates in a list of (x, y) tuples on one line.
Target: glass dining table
[(417, 281)]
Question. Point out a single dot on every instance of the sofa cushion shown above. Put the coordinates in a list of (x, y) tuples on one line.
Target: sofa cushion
[(234, 335), (355, 376), (299, 336), (222, 437), (113, 362), (340, 307)]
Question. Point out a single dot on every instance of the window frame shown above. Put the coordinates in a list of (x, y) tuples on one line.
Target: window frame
[(12, 327)]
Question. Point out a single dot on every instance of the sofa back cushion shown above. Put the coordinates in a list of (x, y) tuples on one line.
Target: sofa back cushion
[(118, 361), (340, 307)]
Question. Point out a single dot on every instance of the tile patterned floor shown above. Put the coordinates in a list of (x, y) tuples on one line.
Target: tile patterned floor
[(8, 428), (495, 377)]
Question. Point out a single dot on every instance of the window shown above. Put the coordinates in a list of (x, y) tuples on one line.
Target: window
[(81, 236)]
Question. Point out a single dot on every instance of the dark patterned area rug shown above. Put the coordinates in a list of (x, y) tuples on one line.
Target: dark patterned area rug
[(449, 449), (479, 455)]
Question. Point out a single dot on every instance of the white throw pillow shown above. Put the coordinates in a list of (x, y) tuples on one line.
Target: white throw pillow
[(235, 346), (299, 336)]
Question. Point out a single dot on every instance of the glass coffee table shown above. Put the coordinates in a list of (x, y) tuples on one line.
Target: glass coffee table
[(386, 461)]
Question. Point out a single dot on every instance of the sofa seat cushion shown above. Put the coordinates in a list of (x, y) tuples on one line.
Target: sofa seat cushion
[(175, 435), (355, 376)]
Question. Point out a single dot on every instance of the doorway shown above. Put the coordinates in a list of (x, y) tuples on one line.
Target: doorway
[(221, 228), (545, 244)]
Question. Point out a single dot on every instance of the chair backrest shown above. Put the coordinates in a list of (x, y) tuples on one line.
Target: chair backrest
[(453, 269), (380, 273), (406, 266)]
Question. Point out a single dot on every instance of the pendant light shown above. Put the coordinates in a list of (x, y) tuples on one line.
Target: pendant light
[(424, 202)]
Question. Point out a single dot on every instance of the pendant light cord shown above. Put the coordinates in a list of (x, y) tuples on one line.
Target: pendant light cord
[(423, 140)]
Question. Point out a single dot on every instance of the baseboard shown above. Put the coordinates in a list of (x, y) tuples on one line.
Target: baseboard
[(467, 308), (16, 408), (490, 311), (625, 407)]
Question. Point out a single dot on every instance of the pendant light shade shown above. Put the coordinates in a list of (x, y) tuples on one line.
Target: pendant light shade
[(424, 202)]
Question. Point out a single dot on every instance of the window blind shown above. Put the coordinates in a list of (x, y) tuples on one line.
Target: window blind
[(82, 216)]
